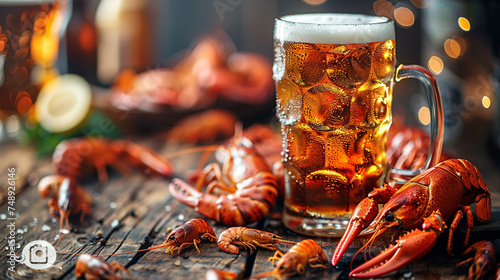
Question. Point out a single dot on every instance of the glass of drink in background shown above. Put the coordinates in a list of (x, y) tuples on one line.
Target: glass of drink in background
[(334, 76), (29, 44)]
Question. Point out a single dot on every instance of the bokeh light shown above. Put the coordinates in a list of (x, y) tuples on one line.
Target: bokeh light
[(486, 102), (424, 115), (404, 16), (23, 102), (421, 4), (464, 23), (435, 64), (452, 48), (383, 8), (463, 44)]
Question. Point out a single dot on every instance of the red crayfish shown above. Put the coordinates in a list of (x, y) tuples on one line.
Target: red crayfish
[(240, 192), (305, 253), (187, 234), (73, 157), (92, 268), (249, 238), (447, 188), (483, 260)]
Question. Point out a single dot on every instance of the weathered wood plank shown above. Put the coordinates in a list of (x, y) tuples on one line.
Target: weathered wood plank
[(22, 160), (154, 211)]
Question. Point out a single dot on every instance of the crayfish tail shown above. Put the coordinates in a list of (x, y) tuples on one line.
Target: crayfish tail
[(483, 207)]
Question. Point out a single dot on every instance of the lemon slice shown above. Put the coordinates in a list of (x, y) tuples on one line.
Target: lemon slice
[(63, 103)]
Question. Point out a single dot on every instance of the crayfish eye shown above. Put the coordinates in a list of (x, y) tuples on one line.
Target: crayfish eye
[(388, 216), (274, 236), (172, 237)]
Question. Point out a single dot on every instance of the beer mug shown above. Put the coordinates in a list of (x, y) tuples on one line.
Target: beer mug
[(334, 76)]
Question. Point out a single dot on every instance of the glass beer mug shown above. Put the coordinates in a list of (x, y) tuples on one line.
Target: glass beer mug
[(334, 76)]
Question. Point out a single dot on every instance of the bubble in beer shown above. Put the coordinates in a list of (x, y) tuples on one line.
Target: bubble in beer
[(326, 107), (305, 64), (349, 68), (384, 61), (289, 102)]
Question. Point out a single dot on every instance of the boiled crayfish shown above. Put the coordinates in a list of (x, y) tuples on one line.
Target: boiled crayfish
[(483, 261), (305, 253), (240, 192), (442, 191), (94, 267), (249, 238), (73, 157)]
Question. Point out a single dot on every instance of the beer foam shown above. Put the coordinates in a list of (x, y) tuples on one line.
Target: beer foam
[(333, 29)]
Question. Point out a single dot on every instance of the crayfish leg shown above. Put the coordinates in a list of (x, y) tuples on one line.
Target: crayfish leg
[(277, 256), (272, 247), (208, 235), (116, 266), (102, 174), (454, 224), (314, 263), (187, 244), (195, 242)]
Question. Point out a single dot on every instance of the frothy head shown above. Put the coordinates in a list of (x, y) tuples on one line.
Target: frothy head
[(333, 28)]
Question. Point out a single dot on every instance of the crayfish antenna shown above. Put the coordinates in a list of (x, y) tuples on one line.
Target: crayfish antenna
[(328, 244), (124, 253), (368, 243), (138, 251), (265, 274), (63, 218), (286, 242), (192, 150)]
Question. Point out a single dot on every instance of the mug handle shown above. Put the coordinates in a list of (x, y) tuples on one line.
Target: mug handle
[(437, 122)]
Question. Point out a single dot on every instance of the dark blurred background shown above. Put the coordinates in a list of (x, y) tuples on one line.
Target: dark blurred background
[(457, 40)]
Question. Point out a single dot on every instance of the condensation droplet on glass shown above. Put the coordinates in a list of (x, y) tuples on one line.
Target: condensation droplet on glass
[(54, 220), (168, 208), (112, 205), (3, 217), (64, 231), (46, 228), (180, 217), (56, 237), (279, 63)]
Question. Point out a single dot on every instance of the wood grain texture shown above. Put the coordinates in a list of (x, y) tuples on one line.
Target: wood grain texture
[(136, 211)]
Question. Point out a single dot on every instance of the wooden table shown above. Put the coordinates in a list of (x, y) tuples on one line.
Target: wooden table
[(135, 212)]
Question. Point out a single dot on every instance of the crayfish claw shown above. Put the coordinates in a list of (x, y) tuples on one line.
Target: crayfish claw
[(184, 192), (362, 216), (407, 249)]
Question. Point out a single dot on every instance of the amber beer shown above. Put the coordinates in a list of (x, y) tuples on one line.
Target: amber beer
[(334, 95)]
